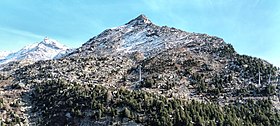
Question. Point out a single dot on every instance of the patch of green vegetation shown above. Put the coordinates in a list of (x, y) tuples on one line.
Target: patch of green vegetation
[(57, 98)]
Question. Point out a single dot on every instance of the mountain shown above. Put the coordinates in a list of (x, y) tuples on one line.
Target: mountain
[(44, 50), (3, 54), (144, 74), (141, 35)]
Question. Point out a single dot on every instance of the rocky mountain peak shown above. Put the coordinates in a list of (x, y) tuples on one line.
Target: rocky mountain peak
[(141, 35), (140, 20)]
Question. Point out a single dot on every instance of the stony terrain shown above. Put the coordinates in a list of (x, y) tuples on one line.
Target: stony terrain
[(144, 74)]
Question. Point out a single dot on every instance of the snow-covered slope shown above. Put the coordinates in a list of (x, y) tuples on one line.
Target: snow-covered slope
[(44, 50), (3, 54), (141, 35), (64, 53)]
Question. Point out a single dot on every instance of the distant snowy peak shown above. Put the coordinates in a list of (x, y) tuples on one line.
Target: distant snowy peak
[(46, 43), (53, 43), (44, 50)]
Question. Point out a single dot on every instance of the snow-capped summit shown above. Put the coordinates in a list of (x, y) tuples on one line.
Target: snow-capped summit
[(44, 50), (53, 43)]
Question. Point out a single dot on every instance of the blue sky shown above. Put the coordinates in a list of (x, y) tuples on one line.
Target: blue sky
[(251, 26)]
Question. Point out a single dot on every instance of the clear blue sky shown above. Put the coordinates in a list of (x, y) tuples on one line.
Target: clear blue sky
[(251, 26)]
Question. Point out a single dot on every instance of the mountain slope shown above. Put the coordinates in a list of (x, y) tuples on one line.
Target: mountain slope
[(44, 50), (64, 53), (145, 74), (3, 54), (141, 35)]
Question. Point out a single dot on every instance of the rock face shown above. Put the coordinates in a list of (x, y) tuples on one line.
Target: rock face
[(44, 50), (183, 76)]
